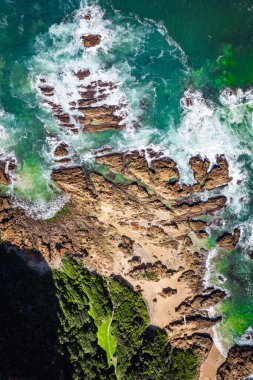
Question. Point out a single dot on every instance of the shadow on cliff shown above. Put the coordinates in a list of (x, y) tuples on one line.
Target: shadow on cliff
[(29, 347)]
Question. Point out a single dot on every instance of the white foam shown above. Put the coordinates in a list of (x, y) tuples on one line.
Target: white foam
[(41, 209)]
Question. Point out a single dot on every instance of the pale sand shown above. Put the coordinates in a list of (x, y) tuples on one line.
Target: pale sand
[(210, 366), (162, 310)]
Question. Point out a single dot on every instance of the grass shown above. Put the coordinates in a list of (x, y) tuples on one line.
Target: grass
[(106, 340), (210, 243)]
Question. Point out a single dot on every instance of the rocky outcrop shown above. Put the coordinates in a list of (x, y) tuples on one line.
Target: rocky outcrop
[(201, 301), (238, 365), (199, 228), (127, 218), (99, 119), (91, 40), (167, 292), (8, 168), (82, 74), (4, 178), (229, 240), (200, 343), (151, 272), (190, 324), (207, 177), (89, 113), (61, 150)]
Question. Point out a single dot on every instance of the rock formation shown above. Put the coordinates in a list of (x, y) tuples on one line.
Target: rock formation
[(229, 241), (89, 113), (129, 219), (91, 40), (238, 365)]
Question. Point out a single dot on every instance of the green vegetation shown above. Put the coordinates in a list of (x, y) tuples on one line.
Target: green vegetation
[(129, 322), (62, 212), (78, 331), (220, 73), (210, 243), (150, 275), (81, 325), (106, 340), (157, 360), (183, 365), (153, 359)]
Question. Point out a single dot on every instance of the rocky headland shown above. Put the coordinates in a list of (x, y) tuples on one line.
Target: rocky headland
[(132, 218)]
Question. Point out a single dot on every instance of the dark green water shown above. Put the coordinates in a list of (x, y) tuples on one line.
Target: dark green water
[(156, 50)]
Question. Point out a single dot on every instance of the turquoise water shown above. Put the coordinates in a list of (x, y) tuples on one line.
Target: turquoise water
[(158, 53)]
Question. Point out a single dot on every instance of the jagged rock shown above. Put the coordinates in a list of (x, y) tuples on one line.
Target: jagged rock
[(250, 254), (100, 151), (191, 323), (229, 241), (201, 301), (61, 150), (191, 278), (4, 178), (87, 16), (98, 119), (187, 209), (126, 244), (82, 74), (238, 365), (91, 40), (74, 182), (199, 227), (217, 176), (64, 160), (46, 89)]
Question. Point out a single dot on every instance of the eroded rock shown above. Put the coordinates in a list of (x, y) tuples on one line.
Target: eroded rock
[(238, 365), (91, 40), (61, 150), (229, 240), (130, 222), (4, 177), (208, 177)]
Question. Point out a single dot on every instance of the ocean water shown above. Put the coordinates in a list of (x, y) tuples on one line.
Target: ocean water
[(159, 53)]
